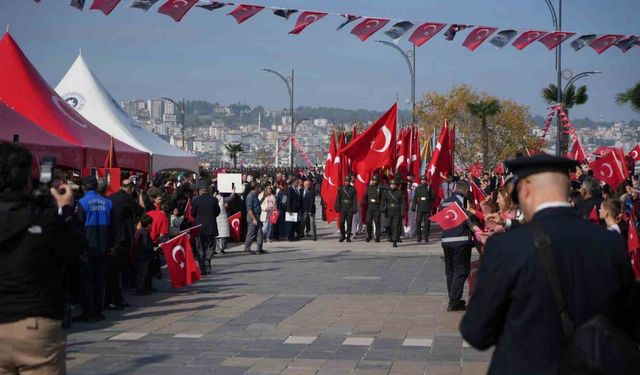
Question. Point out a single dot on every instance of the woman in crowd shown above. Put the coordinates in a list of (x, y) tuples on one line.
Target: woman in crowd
[(223, 224), (611, 213), (268, 206)]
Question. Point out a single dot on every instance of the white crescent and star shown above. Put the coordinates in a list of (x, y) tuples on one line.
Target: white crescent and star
[(372, 23), (331, 182), (400, 161), (175, 251), (453, 213), (634, 154), (532, 36), (310, 18), (337, 160), (180, 3), (482, 33), (359, 177), (387, 140), (607, 166)]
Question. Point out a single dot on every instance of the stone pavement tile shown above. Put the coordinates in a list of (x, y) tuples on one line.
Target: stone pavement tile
[(222, 370), (128, 336), (307, 363), (358, 341), (299, 371), (351, 352), (208, 362), (473, 355), (386, 343), (76, 359), (420, 342), (371, 372), (270, 365), (412, 354), (408, 367), (300, 339), (475, 368), (381, 354), (333, 371), (239, 362), (443, 369), (372, 364), (188, 336), (340, 364)]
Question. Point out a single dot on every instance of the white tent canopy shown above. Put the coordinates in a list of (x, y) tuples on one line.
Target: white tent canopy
[(84, 92)]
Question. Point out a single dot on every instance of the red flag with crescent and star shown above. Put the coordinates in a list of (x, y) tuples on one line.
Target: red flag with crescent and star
[(105, 6), (234, 226), (604, 42), (609, 170), (440, 165), (182, 266), (305, 19), (554, 39), (243, 12), (329, 188), (176, 9), (373, 149), (368, 27), (424, 32), (527, 38), (635, 153), (477, 36), (450, 216), (633, 245)]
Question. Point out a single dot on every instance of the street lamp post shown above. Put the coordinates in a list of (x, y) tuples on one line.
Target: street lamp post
[(410, 58), (183, 118), (577, 77), (289, 82), (557, 23)]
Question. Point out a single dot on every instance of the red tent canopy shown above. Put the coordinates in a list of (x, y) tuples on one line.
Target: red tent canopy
[(40, 142), (25, 91)]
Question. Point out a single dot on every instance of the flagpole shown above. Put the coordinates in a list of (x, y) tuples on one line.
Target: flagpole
[(412, 72)]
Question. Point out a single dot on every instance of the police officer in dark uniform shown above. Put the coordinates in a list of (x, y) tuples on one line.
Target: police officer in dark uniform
[(371, 202), (421, 205), (456, 244), (513, 306), (393, 203), (347, 204)]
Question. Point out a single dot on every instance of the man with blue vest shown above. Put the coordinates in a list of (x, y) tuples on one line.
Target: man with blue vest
[(457, 243), (94, 212)]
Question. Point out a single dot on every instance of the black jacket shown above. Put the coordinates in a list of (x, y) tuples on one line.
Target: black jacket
[(462, 234), (309, 201), (294, 200), (513, 307), (124, 211), (34, 244), (586, 207), (205, 210)]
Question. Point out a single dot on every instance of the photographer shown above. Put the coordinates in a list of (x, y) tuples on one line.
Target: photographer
[(36, 237)]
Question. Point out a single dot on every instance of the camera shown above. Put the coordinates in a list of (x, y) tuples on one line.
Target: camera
[(46, 179)]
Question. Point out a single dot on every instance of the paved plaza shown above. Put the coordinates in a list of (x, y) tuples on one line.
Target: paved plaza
[(305, 308)]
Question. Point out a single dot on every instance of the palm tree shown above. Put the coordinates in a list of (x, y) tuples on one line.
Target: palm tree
[(570, 98), (484, 109), (234, 149), (631, 97)]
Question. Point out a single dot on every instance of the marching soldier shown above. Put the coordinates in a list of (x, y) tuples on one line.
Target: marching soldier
[(393, 203), (347, 204), (421, 205), (371, 199)]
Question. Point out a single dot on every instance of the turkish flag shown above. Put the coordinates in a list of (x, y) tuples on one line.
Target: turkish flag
[(329, 187), (193, 231), (243, 12), (305, 19), (176, 9), (440, 164), (106, 6), (527, 38), (402, 153), (635, 153), (424, 32), (368, 27), (182, 266), (110, 175), (593, 216), (633, 245), (414, 163), (477, 36), (602, 150), (450, 216), (604, 42), (235, 229), (476, 169), (373, 149), (554, 39), (478, 197), (111, 161), (609, 170), (577, 152), (188, 216)]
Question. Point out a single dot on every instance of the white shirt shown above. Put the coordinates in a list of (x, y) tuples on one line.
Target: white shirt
[(544, 206), (614, 228)]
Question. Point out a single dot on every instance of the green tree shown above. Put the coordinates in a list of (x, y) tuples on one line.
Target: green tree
[(570, 98), (482, 110), (233, 149), (631, 97)]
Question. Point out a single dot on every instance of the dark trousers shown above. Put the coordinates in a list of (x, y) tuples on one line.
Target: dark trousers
[(422, 218), (254, 232), (205, 250), (113, 292), (346, 218), (310, 223), (395, 223), (373, 216), (142, 271), (457, 261), (93, 271)]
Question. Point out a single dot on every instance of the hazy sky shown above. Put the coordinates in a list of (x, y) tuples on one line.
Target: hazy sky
[(208, 56)]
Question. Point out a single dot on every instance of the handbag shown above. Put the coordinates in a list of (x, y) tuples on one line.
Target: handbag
[(273, 218), (596, 347)]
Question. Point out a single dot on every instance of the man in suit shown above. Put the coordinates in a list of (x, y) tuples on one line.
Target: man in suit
[(124, 212), (294, 206), (309, 209), (205, 210), (513, 306)]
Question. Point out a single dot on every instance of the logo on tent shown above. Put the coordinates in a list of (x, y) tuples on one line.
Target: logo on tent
[(75, 100)]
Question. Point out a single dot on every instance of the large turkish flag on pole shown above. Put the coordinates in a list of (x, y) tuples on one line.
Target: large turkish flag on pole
[(329, 188), (182, 266), (440, 164), (609, 170)]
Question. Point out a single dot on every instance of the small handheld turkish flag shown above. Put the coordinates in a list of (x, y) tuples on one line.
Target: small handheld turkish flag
[(593, 216), (635, 153), (450, 216), (633, 245), (234, 226), (182, 266), (609, 170)]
